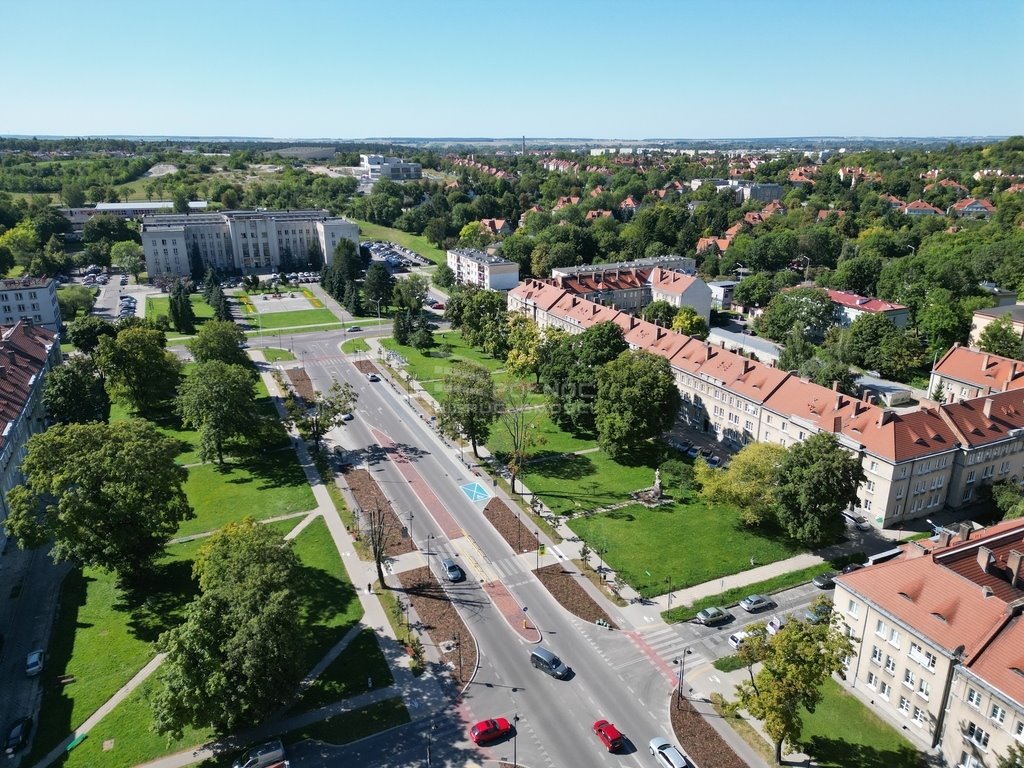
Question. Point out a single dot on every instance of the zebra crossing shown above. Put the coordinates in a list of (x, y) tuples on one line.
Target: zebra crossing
[(663, 647)]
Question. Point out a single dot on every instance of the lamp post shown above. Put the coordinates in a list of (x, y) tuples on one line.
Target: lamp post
[(410, 524), (429, 734), (537, 534), (377, 302), (519, 533), (680, 661), (668, 585), (515, 733), (458, 646)]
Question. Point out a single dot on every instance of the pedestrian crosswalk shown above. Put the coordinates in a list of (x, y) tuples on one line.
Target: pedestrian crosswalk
[(667, 645)]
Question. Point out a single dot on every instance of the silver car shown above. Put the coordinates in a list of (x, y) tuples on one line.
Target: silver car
[(667, 755), (755, 603)]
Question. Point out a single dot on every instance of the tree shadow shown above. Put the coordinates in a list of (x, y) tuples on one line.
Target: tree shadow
[(569, 467), (275, 470), (157, 601), (321, 597), (839, 753)]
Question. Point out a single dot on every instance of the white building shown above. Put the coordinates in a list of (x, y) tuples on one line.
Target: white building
[(30, 298), (394, 168), (135, 210), (241, 241), (473, 267)]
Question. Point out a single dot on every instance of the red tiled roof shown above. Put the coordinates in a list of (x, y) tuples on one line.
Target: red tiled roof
[(986, 419), (667, 281), (629, 202), (541, 293), (981, 369), (961, 205), (24, 350), (1001, 662), (901, 437), (598, 214), (921, 205), (862, 303), (824, 213)]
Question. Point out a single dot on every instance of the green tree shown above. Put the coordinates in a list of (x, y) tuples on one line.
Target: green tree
[(795, 665), (1000, 338), (1008, 498), (826, 370), (403, 326), (864, 339), (797, 350), (219, 340), (137, 369), (109, 228), (127, 254), (72, 194), (73, 393), (751, 482), (809, 308), (1012, 758), (444, 276), (485, 322), (519, 419), (183, 316), (523, 358), (218, 400), (660, 313), (818, 480), (755, 291), (942, 321), (899, 355), (436, 231), (74, 300), (637, 399), (237, 655), (315, 417), (379, 285), (347, 261), (85, 332), (410, 292), (687, 321), (469, 405), (106, 495)]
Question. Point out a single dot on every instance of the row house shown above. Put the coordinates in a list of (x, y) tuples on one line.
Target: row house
[(851, 306), (940, 641), (920, 208), (966, 374)]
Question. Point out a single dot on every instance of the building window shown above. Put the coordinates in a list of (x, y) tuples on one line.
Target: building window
[(918, 716), (970, 476), (908, 678), (904, 705), (890, 665), (872, 680), (973, 698), (880, 628), (894, 638), (998, 714), (852, 608), (870, 485), (978, 735), (924, 690), (968, 493), (876, 654), (969, 761), (1018, 732), (873, 466), (885, 689)]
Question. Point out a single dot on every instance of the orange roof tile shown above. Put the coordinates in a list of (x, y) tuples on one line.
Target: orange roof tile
[(981, 369)]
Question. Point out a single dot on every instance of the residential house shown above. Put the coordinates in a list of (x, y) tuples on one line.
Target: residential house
[(721, 293), (824, 213), (473, 267), (940, 641), (977, 208), (527, 212), (981, 318), (803, 175), (717, 245), (967, 374), (597, 214), (894, 202), (565, 200), (920, 208), (851, 306), (30, 298), (495, 227), (960, 189), (628, 206), (681, 290)]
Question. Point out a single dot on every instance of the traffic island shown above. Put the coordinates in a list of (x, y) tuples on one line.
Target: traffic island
[(699, 738), (564, 586)]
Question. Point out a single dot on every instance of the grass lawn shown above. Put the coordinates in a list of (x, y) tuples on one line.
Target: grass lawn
[(552, 440), (416, 243), (348, 674), (429, 366), (844, 733), (274, 355), (268, 486), (161, 305), (271, 320), (355, 345)]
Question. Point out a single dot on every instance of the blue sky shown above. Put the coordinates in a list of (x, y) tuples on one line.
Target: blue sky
[(641, 69)]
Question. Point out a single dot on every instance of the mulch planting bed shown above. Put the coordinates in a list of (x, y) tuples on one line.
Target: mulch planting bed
[(510, 526), (564, 586), (368, 495), (365, 366), (300, 382), (697, 736), (439, 619)]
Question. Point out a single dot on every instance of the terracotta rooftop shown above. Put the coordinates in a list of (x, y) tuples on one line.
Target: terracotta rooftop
[(967, 202), (986, 419), (667, 281), (24, 349), (981, 369), (901, 437), (862, 303)]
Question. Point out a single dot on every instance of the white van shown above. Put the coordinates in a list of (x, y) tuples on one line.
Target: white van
[(263, 756)]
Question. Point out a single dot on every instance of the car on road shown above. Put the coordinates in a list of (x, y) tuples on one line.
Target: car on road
[(736, 640), (609, 735), (667, 755), (439, 307), (353, 329), (488, 731), (34, 663), (347, 417), (826, 580), (755, 603), (859, 522), (268, 755), (775, 625), (372, 377), (452, 571), (709, 617), (17, 735)]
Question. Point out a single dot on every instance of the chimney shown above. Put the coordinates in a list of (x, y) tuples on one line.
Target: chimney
[(1014, 562), (11, 357), (945, 536), (963, 532), (987, 408), (835, 385), (985, 559)]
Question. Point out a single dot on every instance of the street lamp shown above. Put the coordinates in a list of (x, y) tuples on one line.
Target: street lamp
[(410, 524), (680, 661), (458, 646), (429, 734), (377, 302), (537, 534), (515, 733), (668, 584), (519, 533)]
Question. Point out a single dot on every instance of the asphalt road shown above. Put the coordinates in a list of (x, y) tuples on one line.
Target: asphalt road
[(613, 675)]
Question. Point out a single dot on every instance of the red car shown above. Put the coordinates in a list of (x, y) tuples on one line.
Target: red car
[(608, 734), (487, 731)]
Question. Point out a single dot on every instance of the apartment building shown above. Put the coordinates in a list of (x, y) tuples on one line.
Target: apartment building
[(249, 242), (852, 305), (940, 642), (964, 374), (915, 463), (473, 267), (27, 354), (30, 298), (393, 168), (681, 290), (981, 318), (135, 210)]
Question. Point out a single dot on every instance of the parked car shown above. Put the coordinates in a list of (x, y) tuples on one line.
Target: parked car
[(17, 735), (853, 567), (693, 452), (755, 603), (452, 571), (826, 580), (353, 329), (667, 755), (736, 640), (372, 377), (34, 663), (439, 306), (709, 617), (347, 417), (775, 625), (609, 735), (264, 756), (859, 522), (706, 453), (488, 731), (714, 462)]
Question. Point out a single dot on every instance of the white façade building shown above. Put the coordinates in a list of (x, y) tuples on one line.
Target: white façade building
[(32, 300), (241, 241), (473, 267), (394, 168)]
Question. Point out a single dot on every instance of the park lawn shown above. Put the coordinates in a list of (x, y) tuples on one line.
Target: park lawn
[(416, 243), (268, 486), (348, 675), (272, 320), (843, 733), (682, 544), (552, 440), (353, 346), (429, 366), (275, 355), (161, 305), (169, 426)]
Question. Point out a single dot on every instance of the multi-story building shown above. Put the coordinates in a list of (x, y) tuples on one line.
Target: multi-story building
[(940, 640), (31, 298), (27, 354), (981, 318), (393, 168), (473, 267), (136, 210), (964, 374), (250, 242), (852, 305)]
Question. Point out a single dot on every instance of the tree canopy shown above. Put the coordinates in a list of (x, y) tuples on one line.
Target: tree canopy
[(1000, 338), (218, 400), (809, 308), (470, 405), (73, 393), (137, 368), (219, 340), (637, 399)]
